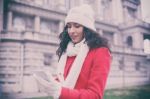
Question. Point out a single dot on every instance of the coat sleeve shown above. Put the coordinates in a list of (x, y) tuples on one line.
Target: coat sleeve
[(97, 78)]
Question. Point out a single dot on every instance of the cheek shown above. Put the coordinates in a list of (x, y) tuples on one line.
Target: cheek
[(81, 37), (81, 34)]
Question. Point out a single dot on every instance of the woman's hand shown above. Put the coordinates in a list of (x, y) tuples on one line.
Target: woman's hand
[(52, 87)]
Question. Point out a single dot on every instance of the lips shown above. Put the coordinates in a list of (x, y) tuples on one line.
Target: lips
[(73, 37)]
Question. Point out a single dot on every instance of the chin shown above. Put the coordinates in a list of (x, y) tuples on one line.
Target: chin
[(74, 41)]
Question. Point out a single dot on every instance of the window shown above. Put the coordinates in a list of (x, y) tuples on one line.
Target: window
[(137, 66), (129, 41), (23, 22), (18, 23), (147, 43), (135, 1), (49, 26), (45, 27), (131, 13), (47, 59), (121, 64), (54, 27)]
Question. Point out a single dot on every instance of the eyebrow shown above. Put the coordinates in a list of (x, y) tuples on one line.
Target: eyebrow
[(73, 23)]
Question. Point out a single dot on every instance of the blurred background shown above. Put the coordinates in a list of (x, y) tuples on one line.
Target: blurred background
[(29, 31)]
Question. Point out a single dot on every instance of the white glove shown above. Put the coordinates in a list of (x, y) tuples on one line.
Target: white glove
[(52, 87)]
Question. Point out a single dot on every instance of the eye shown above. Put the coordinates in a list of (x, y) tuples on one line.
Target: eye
[(77, 25)]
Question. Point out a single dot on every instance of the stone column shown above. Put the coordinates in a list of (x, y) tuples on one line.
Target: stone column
[(125, 12), (138, 40), (9, 20), (147, 46), (61, 26), (99, 9), (116, 39), (61, 5), (1, 15), (74, 3), (139, 13), (117, 11), (37, 24)]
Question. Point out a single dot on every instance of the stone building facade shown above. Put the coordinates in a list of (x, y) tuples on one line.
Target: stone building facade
[(29, 32)]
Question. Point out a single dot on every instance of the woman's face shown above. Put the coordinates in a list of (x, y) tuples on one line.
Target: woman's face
[(75, 32)]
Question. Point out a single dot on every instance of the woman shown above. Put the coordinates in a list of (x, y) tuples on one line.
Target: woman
[(84, 59)]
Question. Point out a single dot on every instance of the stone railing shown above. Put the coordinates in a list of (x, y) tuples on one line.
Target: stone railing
[(127, 50), (136, 22), (30, 35), (48, 5)]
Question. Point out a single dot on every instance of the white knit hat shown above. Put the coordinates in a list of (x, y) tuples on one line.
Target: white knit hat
[(83, 15)]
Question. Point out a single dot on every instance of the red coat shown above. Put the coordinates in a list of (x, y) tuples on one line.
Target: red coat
[(92, 79)]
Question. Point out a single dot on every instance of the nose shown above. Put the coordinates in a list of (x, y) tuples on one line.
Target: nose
[(71, 29)]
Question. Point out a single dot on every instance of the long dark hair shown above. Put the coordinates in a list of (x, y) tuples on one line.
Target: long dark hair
[(93, 39)]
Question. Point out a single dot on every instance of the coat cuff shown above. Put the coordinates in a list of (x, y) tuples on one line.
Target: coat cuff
[(64, 93)]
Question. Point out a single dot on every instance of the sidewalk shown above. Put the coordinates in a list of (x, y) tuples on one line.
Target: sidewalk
[(24, 96)]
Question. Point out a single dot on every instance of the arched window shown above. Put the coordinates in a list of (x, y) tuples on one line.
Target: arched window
[(129, 41)]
